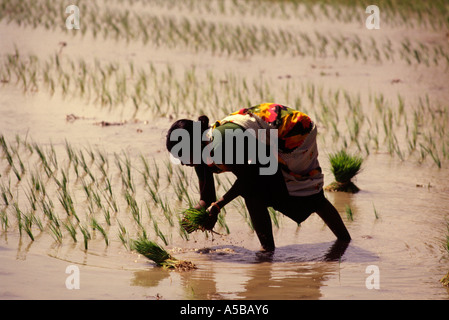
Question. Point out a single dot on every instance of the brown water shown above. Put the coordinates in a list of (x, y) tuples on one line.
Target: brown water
[(405, 242), (405, 239)]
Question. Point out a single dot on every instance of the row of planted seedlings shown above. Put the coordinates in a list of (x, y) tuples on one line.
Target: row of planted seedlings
[(240, 39), (144, 89), (399, 13), (413, 127), (414, 130), (41, 194), (84, 194)]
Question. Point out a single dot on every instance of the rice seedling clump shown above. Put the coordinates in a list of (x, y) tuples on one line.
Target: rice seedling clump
[(344, 167), (194, 219), (160, 256)]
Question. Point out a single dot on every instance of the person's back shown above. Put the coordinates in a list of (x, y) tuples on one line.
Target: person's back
[(297, 149)]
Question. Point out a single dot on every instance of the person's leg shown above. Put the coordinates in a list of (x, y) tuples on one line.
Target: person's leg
[(300, 208), (261, 221), (260, 192), (336, 251), (332, 218)]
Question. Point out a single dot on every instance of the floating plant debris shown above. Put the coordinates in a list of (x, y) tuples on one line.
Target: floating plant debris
[(160, 256)]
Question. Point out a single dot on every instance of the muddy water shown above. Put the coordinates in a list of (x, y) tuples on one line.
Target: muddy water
[(399, 216), (404, 241)]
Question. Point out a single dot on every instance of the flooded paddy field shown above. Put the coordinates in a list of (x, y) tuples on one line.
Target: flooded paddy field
[(83, 167)]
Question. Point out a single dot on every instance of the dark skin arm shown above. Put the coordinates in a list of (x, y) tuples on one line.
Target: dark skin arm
[(246, 184), (231, 194), (208, 198), (236, 190), (214, 208), (206, 185)]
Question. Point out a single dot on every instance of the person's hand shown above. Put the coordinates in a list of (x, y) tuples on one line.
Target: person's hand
[(213, 210)]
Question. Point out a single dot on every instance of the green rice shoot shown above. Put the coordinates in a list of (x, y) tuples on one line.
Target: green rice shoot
[(349, 213), (194, 219)]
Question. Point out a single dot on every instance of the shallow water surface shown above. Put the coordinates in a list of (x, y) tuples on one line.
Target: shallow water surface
[(404, 242), (400, 216)]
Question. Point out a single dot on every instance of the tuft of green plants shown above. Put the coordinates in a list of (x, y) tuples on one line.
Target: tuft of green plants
[(159, 255), (194, 219), (344, 167)]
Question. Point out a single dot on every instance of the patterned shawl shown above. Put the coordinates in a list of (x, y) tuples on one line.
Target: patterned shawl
[(297, 148)]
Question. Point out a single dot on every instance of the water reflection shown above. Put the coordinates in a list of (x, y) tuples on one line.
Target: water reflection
[(292, 272)]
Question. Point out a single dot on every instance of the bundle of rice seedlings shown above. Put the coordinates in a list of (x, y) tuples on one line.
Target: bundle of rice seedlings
[(194, 219), (160, 256), (344, 167)]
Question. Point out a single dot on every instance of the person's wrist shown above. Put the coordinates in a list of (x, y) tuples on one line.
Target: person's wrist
[(216, 206)]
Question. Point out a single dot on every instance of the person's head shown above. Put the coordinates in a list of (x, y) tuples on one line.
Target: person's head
[(185, 137)]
